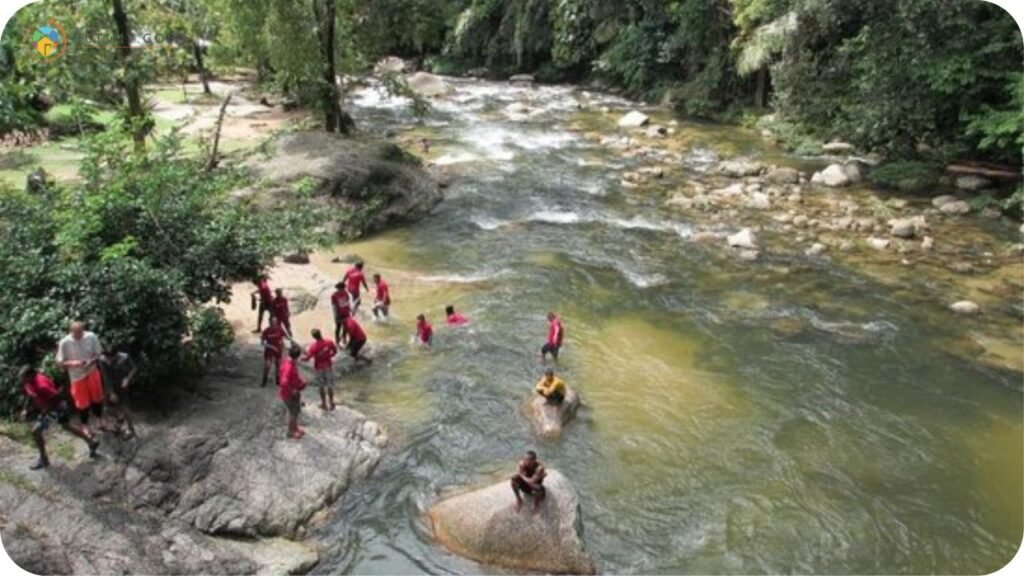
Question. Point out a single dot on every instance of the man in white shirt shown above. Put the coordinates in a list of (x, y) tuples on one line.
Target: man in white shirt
[(78, 353)]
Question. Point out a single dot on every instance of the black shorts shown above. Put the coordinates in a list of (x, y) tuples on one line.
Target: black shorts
[(555, 398), (59, 414), (354, 346), (525, 487), (294, 405), (550, 349)]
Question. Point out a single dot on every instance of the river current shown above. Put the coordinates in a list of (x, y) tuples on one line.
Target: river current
[(708, 442)]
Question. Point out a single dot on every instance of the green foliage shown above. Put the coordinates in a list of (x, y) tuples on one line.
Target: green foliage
[(1002, 129), (906, 175), (891, 75), (139, 249)]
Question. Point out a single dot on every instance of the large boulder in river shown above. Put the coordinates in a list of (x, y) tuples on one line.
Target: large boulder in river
[(367, 185), (972, 183), (390, 65), (634, 119), (833, 176), (548, 419), (429, 85), (483, 525), (521, 79), (955, 208)]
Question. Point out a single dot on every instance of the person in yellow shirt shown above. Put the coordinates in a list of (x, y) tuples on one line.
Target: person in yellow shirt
[(551, 387)]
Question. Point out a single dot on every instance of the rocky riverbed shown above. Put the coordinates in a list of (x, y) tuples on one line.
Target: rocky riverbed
[(212, 487)]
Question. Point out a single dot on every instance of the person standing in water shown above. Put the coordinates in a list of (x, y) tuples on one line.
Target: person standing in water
[(354, 277), (45, 405), (118, 370), (424, 332), (355, 339), (273, 348), (290, 391), (551, 387), (322, 351), (382, 299), (529, 479), (453, 318), (266, 299), (554, 341), (279, 305), (78, 353), (342, 308)]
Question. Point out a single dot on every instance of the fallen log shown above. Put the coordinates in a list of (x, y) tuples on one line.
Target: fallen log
[(998, 172)]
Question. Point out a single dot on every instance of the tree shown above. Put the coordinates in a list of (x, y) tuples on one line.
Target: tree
[(137, 118), (335, 119)]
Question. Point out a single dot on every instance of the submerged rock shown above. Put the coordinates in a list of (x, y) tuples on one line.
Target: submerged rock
[(740, 167), (955, 208), (965, 307), (972, 183), (743, 239), (548, 419), (482, 525), (634, 119), (783, 175), (816, 249), (906, 227)]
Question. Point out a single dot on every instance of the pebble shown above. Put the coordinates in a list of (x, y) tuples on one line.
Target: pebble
[(965, 307)]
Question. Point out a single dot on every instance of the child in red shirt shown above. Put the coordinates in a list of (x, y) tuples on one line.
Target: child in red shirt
[(43, 402), (453, 318), (273, 347), (424, 331), (382, 300), (280, 308), (342, 307), (290, 391), (554, 341), (322, 352)]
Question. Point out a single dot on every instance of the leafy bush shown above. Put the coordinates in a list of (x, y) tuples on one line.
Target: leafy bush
[(138, 249), (906, 175)]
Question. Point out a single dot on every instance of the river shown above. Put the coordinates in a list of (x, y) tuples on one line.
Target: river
[(709, 442)]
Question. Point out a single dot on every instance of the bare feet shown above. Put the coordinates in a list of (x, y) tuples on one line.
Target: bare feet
[(325, 408), (518, 505)]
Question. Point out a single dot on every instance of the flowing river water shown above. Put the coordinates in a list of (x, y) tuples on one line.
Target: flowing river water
[(708, 442)]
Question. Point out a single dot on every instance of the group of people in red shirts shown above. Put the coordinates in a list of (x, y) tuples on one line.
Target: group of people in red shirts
[(345, 302)]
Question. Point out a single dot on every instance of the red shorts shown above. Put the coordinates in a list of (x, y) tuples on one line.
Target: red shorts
[(87, 390)]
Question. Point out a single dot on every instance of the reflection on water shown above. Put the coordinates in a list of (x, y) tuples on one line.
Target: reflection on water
[(736, 418)]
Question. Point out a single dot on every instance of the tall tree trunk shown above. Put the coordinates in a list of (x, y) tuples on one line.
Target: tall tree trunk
[(761, 96), (335, 119), (197, 51), (136, 113)]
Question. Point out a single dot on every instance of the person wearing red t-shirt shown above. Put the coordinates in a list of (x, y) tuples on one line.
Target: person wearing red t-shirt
[(382, 300), (555, 335), (354, 337), (342, 307), (280, 307), (290, 391), (265, 304), (354, 277), (273, 348), (44, 404), (322, 352), (424, 331), (453, 318)]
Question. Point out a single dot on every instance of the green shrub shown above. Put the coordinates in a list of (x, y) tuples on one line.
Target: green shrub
[(906, 175), (139, 249)]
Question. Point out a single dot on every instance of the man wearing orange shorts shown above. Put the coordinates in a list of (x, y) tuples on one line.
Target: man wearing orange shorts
[(78, 353)]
